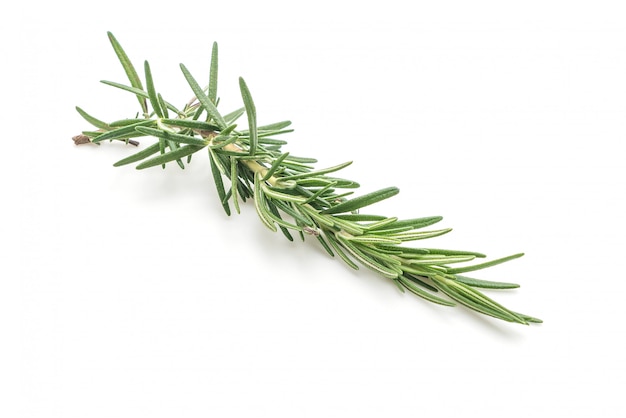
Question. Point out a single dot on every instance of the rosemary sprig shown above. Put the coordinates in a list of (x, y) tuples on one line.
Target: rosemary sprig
[(290, 194)]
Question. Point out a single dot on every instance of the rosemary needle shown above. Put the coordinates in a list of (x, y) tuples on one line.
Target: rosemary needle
[(289, 193)]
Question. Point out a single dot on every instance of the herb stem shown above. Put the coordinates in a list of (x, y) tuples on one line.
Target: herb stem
[(290, 194)]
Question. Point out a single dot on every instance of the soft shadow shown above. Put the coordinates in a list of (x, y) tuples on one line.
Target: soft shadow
[(508, 330)]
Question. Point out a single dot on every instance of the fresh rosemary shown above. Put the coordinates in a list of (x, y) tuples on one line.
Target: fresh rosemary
[(289, 193)]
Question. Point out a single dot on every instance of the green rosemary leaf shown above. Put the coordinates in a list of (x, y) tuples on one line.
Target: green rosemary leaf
[(275, 127), (362, 201), (154, 101), (95, 122), (212, 92), (275, 165), (380, 224), (484, 265), (292, 210), (454, 252), (387, 259), (267, 134), (203, 98), (399, 285), (125, 122), (485, 284), (285, 184), (129, 69), (529, 318), (481, 299), (138, 92), (333, 242), (285, 197), (224, 135), (92, 134), (391, 231), (222, 144), (251, 113), (270, 141), (322, 241), (440, 260), (319, 218), (411, 223), (290, 168), (174, 146), (219, 184), (234, 180), (291, 164), (341, 183), (418, 280), (171, 136), (123, 131), (339, 197), (162, 149), (125, 138), (419, 270), (373, 239), (416, 290), (367, 261), (414, 236), (312, 198), (355, 217), (169, 156), (472, 304), (477, 301), (286, 233), (435, 269), (318, 172), (259, 204), (302, 160), (145, 153), (229, 193), (242, 155), (408, 252), (389, 249), (282, 224), (234, 115), (243, 191), (315, 196), (349, 227), (163, 106), (197, 113), (191, 124)]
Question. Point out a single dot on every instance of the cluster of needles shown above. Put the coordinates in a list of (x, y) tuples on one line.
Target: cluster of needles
[(290, 194)]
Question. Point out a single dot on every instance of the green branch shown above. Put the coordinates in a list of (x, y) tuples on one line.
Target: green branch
[(292, 195)]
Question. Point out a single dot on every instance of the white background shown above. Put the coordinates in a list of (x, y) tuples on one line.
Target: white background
[(138, 297)]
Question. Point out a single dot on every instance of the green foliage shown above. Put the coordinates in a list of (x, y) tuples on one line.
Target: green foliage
[(291, 195)]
